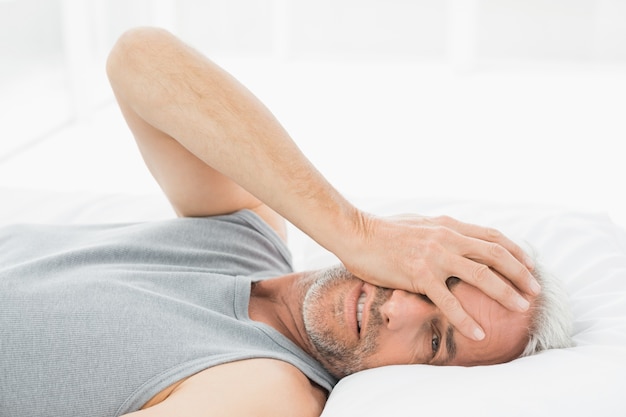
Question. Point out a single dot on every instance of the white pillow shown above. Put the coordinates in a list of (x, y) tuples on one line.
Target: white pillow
[(588, 252)]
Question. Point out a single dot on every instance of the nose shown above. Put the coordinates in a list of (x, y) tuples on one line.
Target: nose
[(404, 309)]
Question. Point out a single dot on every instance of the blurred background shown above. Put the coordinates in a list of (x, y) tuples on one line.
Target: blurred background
[(512, 101)]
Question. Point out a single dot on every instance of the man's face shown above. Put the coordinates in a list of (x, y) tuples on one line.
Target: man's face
[(355, 326)]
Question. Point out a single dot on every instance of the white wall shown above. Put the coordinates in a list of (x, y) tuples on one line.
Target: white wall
[(507, 100)]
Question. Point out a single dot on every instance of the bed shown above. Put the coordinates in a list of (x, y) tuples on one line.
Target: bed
[(586, 250)]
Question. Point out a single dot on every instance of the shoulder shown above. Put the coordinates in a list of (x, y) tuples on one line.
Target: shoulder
[(254, 387), (280, 389)]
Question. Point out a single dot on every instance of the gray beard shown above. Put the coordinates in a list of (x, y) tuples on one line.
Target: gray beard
[(339, 358)]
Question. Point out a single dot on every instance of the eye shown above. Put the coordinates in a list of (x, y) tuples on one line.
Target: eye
[(435, 341)]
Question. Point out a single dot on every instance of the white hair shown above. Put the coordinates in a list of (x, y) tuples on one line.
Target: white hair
[(551, 317)]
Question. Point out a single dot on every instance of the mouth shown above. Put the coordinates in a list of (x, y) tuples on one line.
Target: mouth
[(359, 311)]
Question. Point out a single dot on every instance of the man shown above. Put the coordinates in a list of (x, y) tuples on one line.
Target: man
[(203, 315)]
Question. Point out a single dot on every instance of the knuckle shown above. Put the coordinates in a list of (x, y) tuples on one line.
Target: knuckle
[(497, 251), (521, 272), (450, 304), (493, 234), (444, 220), (442, 234), (481, 273)]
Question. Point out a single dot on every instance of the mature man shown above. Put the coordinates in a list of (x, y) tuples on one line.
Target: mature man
[(203, 315)]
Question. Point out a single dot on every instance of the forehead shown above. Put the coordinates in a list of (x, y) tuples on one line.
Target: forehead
[(506, 332)]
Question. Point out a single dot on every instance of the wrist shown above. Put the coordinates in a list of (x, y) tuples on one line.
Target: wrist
[(333, 222), (352, 230)]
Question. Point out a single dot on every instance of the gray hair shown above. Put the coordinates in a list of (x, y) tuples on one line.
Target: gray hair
[(551, 322)]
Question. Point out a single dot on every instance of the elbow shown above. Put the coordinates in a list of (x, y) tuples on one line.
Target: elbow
[(131, 51)]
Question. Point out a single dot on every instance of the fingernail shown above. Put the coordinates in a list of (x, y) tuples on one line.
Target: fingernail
[(479, 334), (535, 287), (523, 303), (530, 264)]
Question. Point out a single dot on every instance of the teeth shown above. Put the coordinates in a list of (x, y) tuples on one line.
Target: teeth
[(359, 309)]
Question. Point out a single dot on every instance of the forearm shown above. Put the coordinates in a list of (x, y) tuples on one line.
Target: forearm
[(181, 93)]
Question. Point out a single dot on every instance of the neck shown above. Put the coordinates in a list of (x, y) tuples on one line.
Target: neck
[(278, 302)]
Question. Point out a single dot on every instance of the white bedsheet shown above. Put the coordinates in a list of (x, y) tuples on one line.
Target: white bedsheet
[(586, 250)]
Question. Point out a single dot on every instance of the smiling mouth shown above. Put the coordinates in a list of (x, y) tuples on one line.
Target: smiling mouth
[(359, 311)]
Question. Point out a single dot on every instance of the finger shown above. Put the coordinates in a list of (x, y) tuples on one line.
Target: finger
[(490, 234), (488, 281), (450, 306), (490, 247), (495, 236), (504, 262)]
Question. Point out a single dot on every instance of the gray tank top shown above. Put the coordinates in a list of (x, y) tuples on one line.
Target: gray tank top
[(95, 320)]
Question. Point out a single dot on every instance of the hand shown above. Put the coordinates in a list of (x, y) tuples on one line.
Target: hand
[(419, 254)]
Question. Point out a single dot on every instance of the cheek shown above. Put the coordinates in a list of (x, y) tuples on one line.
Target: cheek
[(323, 315), (394, 348)]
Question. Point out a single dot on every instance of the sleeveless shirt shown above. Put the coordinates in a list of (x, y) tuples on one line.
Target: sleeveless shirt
[(97, 319)]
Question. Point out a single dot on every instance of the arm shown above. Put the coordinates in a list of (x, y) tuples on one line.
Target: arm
[(235, 389), (213, 147)]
